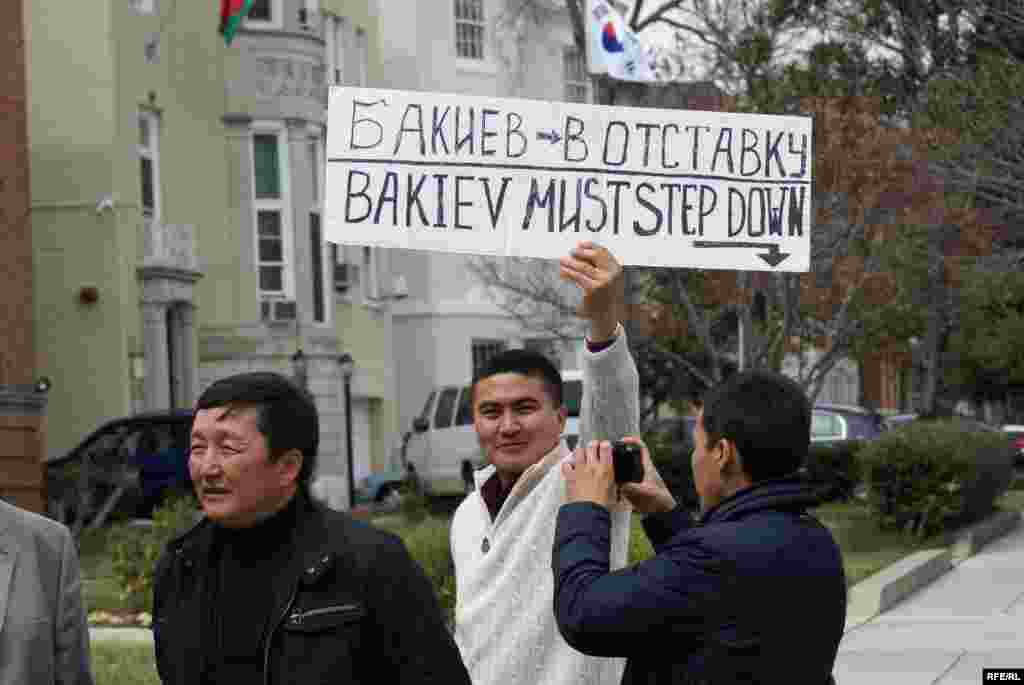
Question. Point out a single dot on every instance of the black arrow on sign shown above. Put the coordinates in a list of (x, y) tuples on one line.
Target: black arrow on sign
[(773, 258), (550, 136)]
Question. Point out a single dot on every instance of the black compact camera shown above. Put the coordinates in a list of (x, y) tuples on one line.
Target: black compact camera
[(627, 458)]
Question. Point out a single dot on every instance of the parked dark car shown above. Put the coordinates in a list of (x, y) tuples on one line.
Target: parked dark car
[(122, 469), (1016, 433), (897, 420), (833, 423), (381, 488)]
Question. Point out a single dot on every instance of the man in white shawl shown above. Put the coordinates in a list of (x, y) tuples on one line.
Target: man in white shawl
[(502, 533)]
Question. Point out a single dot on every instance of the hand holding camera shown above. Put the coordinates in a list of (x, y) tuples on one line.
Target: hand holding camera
[(598, 472), (648, 494), (627, 460)]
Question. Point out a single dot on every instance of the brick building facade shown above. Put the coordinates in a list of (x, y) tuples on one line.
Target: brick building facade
[(21, 408)]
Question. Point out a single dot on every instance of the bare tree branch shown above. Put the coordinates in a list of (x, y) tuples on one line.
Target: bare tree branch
[(665, 353), (654, 16), (702, 327)]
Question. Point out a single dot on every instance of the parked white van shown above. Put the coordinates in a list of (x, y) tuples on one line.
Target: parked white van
[(443, 439)]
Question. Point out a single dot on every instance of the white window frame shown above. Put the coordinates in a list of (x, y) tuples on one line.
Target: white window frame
[(567, 52), (312, 8), (152, 153), (276, 22), (143, 6), (317, 140), (335, 40), (482, 24), (362, 45), (281, 204)]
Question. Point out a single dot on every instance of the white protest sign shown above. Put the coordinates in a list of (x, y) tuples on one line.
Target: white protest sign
[(498, 176)]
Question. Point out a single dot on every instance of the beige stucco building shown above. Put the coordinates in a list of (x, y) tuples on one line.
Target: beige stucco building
[(177, 193)]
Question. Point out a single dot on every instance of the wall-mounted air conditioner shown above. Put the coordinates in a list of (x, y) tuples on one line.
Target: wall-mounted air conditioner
[(278, 311)]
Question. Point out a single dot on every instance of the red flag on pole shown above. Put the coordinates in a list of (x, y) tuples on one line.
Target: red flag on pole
[(231, 14)]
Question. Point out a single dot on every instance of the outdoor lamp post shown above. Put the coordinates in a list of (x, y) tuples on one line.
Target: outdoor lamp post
[(299, 368), (348, 365)]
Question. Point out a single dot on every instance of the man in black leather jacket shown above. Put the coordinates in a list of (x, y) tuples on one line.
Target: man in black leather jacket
[(270, 586)]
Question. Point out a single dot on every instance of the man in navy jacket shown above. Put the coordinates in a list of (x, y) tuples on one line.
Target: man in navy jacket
[(754, 592)]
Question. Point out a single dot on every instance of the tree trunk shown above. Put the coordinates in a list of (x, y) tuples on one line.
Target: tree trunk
[(862, 395), (931, 364)]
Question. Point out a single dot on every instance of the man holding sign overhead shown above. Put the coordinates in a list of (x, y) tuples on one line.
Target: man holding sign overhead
[(521, 178), (502, 532)]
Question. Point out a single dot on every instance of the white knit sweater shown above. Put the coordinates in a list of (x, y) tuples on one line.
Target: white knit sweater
[(504, 619)]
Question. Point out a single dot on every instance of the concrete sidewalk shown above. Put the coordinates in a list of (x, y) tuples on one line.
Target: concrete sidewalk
[(969, 618), (120, 634)]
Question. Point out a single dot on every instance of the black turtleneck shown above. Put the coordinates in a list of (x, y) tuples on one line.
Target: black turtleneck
[(240, 600)]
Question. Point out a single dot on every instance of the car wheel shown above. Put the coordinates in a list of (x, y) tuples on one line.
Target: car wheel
[(388, 498)]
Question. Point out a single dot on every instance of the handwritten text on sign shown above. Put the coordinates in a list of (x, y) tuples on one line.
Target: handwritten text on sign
[(526, 178)]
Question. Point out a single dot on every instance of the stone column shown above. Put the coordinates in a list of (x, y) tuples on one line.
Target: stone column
[(189, 354), (300, 180), (238, 128), (154, 322), (177, 369)]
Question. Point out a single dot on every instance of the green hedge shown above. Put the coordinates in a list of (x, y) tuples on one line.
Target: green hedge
[(833, 469), (135, 556), (931, 476), (671, 452), (428, 543)]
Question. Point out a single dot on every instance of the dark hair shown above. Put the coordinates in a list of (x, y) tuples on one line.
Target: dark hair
[(286, 414), (526, 363), (767, 416)]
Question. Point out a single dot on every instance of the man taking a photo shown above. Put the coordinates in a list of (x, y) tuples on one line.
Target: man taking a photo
[(754, 593)]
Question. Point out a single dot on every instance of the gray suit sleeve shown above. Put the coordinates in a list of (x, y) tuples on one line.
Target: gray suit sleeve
[(610, 406), (71, 661)]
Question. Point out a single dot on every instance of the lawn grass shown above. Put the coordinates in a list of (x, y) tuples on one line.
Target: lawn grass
[(123, 663), (1012, 500), (865, 549)]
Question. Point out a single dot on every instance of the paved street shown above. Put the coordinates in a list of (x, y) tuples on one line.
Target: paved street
[(969, 619)]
